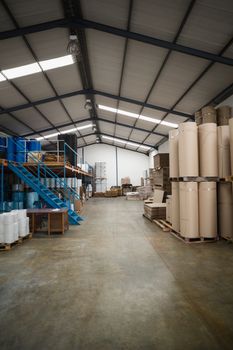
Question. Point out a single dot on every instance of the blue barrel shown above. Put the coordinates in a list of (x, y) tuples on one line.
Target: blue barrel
[(21, 151), (18, 205), (18, 196), (10, 148), (31, 200), (2, 144), (33, 146)]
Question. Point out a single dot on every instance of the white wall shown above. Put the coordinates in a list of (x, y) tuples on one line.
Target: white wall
[(130, 163), (164, 148)]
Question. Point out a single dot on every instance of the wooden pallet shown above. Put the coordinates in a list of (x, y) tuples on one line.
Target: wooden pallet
[(9, 246), (228, 239), (167, 225), (161, 224), (28, 236), (196, 179)]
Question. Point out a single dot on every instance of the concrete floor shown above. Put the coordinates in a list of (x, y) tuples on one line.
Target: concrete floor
[(116, 282)]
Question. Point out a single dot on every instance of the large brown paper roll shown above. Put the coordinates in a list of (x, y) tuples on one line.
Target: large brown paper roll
[(168, 208), (188, 150), (208, 157), (209, 115), (223, 115), (225, 209), (173, 153), (224, 159), (189, 223), (231, 142), (208, 209), (175, 207)]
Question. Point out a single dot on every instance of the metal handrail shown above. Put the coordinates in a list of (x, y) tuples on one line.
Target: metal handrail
[(49, 172)]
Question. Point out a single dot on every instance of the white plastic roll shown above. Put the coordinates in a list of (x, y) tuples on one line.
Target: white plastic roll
[(208, 157), (225, 209), (174, 153), (22, 227), (9, 218), (224, 159), (27, 226), (9, 233), (188, 150), (189, 224), (175, 207), (231, 142), (208, 209), (16, 230), (1, 229)]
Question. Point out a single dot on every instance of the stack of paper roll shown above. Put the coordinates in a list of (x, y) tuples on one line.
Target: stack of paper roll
[(209, 115), (168, 208), (174, 153), (208, 209), (189, 227), (175, 207), (231, 142), (198, 118), (224, 163), (223, 115), (23, 223), (188, 149), (225, 209), (208, 158)]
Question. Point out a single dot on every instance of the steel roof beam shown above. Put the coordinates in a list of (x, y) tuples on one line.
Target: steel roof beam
[(95, 92), (124, 56), (183, 22), (101, 120), (75, 22), (35, 58)]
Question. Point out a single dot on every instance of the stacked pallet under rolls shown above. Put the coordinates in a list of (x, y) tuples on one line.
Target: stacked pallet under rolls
[(200, 163)]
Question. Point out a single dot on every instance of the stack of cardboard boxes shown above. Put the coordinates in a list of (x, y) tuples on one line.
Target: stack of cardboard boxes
[(159, 175)]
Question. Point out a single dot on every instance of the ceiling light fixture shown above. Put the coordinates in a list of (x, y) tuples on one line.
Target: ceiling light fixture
[(137, 116), (127, 143), (57, 62), (65, 132), (88, 105), (33, 68), (73, 47)]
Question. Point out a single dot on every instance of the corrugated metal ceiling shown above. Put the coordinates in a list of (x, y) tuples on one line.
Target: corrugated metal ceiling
[(207, 25)]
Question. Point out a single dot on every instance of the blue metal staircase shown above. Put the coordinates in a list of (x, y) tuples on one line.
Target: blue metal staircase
[(48, 196)]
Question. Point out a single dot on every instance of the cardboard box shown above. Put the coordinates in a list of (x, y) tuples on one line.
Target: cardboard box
[(78, 205), (161, 160)]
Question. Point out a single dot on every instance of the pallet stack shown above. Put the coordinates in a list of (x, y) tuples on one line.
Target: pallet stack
[(199, 167)]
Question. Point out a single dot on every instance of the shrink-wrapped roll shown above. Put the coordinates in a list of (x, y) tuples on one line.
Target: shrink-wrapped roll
[(225, 209), (224, 159), (173, 153), (189, 227), (208, 157), (208, 209), (188, 149), (175, 207)]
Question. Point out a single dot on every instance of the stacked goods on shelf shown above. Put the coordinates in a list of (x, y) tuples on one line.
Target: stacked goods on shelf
[(126, 188), (13, 226), (155, 211), (100, 177), (18, 196), (206, 151), (132, 196), (144, 191), (161, 172)]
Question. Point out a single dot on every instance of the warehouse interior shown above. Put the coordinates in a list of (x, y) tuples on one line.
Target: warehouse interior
[(116, 172)]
